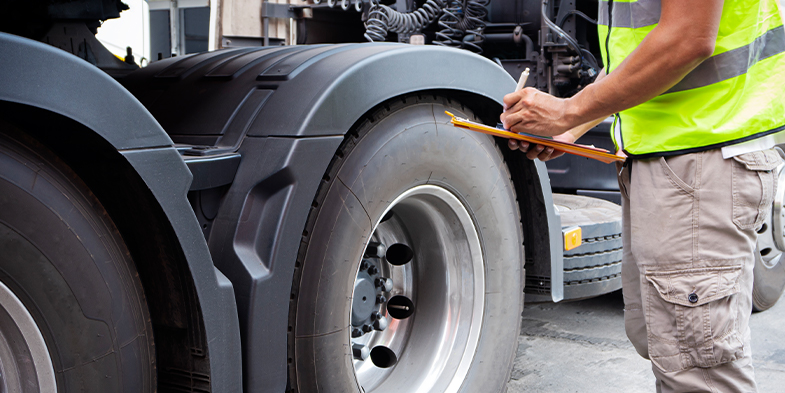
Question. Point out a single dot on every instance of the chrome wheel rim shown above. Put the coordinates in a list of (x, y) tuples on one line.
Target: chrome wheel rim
[(427, 323), (25, 364)]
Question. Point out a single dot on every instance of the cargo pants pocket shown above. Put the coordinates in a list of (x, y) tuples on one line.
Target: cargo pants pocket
[(692, 317), (754, 182)]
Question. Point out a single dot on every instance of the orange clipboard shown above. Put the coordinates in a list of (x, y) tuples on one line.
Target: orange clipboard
[(569, 148)]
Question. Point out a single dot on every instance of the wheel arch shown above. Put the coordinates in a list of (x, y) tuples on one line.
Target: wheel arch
[(127, 160), (343, 96), (477, 83), (286, 110), (544, 255)]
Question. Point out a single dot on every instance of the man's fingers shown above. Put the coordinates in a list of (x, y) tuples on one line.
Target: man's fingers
[(511, 99), (534, 151), (510, 119), (545, 155)]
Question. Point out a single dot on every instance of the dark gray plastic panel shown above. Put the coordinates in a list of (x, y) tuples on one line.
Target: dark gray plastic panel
[(211, 172), (190, 63), (234, 66), (318, 90), (556, 237), (46, 77), (255, 240), (39, 75), (347, 85)]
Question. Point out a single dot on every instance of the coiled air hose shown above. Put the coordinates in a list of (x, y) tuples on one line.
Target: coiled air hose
[(462, 25), (383, 19)]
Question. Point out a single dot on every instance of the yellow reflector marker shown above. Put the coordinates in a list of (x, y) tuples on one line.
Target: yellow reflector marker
[(572, 238)]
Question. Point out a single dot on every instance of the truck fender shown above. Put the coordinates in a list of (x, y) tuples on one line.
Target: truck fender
[(286, 110), (39, 76)]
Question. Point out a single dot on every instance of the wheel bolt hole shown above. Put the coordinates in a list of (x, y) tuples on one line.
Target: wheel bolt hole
[(399, 254), (763, 228), (400, 307), (765, 251), (383, 357), (365, 298)]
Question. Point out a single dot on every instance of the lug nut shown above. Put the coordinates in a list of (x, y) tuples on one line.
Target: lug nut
[(356, 332), (381, 323), (375, 250), (384, 283), (376, 315), (360, 352), (372, 270), (364, 265), (367, 328), (380, 299)]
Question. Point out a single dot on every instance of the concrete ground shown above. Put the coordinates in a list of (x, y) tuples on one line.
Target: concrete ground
[(581, 347)]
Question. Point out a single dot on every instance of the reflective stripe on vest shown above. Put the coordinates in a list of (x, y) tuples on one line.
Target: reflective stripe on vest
[(736, 95)]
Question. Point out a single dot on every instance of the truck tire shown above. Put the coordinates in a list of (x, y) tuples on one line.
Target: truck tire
[(73, 316), (768, 281), (409, 276), (593, 268)]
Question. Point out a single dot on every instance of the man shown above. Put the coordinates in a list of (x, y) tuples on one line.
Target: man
[(697, 86)]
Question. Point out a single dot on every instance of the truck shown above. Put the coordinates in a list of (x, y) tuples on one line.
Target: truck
[(275, 204)]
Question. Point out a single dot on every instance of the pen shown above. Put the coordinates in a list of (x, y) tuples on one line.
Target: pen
[(522, 81)]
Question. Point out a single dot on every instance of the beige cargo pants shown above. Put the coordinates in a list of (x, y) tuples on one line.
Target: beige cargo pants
[(689, 235)]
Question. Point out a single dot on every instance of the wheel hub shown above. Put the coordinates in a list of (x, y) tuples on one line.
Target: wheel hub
[(418, 295), (368, 298)]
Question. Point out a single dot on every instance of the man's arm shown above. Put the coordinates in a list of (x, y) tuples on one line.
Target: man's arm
[(548, 153), (684, 37)]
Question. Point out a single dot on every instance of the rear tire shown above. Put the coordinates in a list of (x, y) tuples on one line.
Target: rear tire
[(66, 265), (768, 282), (769, 272), (594, 267), (406, 176)]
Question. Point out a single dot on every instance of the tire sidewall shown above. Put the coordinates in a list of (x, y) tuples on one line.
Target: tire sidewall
[(68, 265), (400, 148), (768, 283)]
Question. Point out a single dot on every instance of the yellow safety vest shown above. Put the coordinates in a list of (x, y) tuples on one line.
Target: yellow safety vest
[(737, 94)]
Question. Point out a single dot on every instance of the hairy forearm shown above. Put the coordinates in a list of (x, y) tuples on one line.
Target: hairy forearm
[(683, 38), (580, 130)]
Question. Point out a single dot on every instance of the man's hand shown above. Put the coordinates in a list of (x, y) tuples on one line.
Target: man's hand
[(532, 111), (539, 151)]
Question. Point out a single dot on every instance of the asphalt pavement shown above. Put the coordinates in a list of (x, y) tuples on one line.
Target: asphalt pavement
[(581, 347)]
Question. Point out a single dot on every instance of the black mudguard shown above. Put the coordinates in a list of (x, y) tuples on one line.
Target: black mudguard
[(286, 110), (37, 75)]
